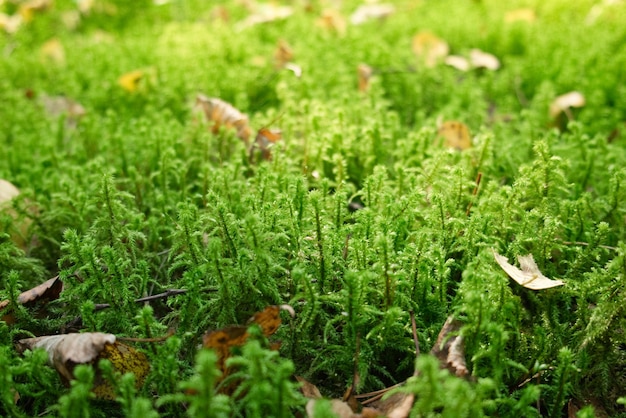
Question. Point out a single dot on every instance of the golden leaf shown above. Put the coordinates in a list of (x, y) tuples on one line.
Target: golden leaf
[(529, 275), (455, 134), (130, 81)]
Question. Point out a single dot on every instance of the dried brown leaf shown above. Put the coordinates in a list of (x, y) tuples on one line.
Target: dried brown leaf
[(283, 54), (529, 275), (364, 72), (450, 348), (332, 20), (48, 290), (224, 114), (397, 405), (308, 389), (455, 134)]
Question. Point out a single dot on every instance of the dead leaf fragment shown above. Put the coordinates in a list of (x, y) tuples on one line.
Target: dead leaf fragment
[(371, 11), (67, 350), (481, 59), (283, 54), (450, 348), (455, 134), (10, 23), (21, 224), (130, 81), (520, 15), (529, 275), (224, 114), (265, 140), (397, 405), (429, 48), (364, 72), (308, 389), (7, 191), (294, 68), (566, 101), (58, 105)]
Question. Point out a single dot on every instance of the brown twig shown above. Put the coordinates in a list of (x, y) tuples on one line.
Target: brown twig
[(167, 294), (586, 244), (414, 328)]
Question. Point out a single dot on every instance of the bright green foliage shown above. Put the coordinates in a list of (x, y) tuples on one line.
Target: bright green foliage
[(357, 219)]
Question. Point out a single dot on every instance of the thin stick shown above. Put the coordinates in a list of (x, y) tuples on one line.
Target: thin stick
[(586, 244), (474, 193), (414, 328), (167, 294)]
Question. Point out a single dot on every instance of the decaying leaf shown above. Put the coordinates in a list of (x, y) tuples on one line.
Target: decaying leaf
[(56, 106), (397, 405), (7, 191), (294, 68), (364, 72), (67, 350), (52, 51), (481, 59), (48, 290), (222, 340), (529, 275), (308, 389), (341, 409), (371, 11), (566, 101), (455, 134), (224, 114), (520, 15), (450, 348), (429, 48)]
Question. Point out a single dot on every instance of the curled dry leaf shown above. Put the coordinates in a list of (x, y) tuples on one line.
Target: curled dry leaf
[(224, 114), (308, 389), (265, 13), (458, 62), (265, 139), (397, 405), (429, 48), (364, 72), (481, 59), (520, 15), (566, 101), (48, 290), (67, 350), (371, 11), (455, 134), (450, 348), (529, 275)]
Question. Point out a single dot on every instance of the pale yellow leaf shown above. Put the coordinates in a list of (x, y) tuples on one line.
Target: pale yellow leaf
[(481, 59), (520, 15), (565, 101), (528, 275), (371, 11), (458, 62), (429, 48)]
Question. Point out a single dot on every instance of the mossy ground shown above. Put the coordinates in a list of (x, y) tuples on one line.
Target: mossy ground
[(138, 196)]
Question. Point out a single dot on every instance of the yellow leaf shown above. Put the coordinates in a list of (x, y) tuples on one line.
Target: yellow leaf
[(130, 81), (529, 275), (455, 134), (520, 15), (429, 48)]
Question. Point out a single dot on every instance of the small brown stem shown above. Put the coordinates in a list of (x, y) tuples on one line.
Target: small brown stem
[(474, 193)]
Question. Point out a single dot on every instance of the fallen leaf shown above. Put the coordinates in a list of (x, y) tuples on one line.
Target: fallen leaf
[(283, 54), (520, 15), (566, 101), (429, 48), (67, 350), (455, 134), (10, 23), (27, 9), (364, 72), (130, 81), (398, 405), (481, 59), (53, 51), (294, 68), (458, 62), (308, 389), (48, 290), (529, 275), (333, 20), (56, 106), (224, 114), (371, 11), (7, 191), (222, 340), (265, 139), (265, 13), (450, 348)]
